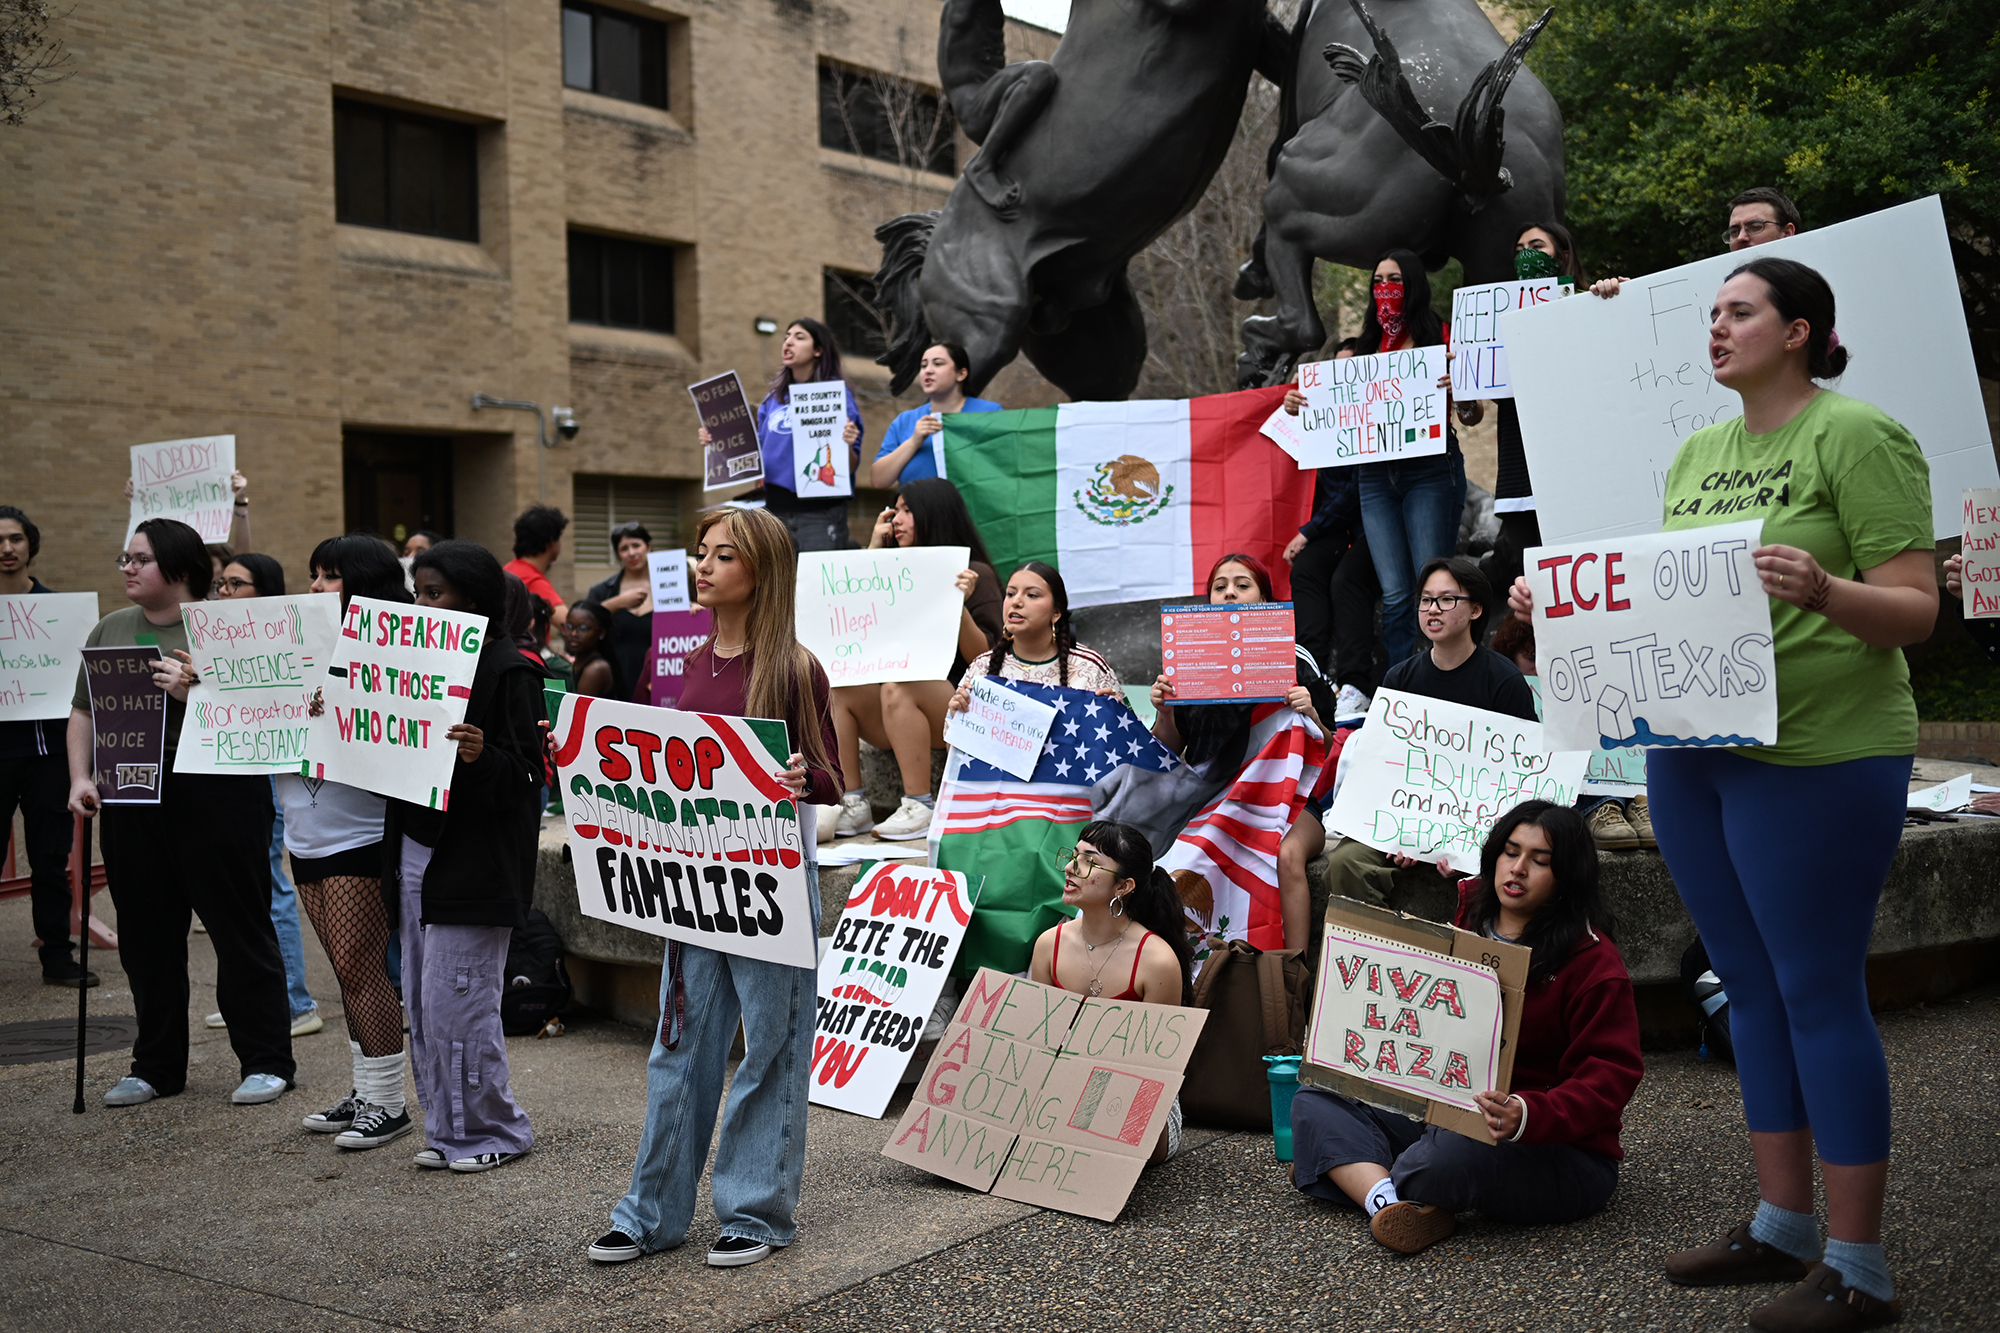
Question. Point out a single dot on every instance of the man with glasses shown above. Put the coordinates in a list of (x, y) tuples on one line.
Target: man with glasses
[(1760, 215)]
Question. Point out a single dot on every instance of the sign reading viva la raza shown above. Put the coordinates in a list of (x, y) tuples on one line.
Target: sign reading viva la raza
[(186, 480), (679, 827), (401, 676), (1660, 640), (880, 615), (1368, 409), (259, 659), (41, 639)]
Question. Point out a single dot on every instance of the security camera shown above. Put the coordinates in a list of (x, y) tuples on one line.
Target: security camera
[(566, 423)]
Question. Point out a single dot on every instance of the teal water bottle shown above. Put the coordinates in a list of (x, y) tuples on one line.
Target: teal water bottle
[(1283, 1072)]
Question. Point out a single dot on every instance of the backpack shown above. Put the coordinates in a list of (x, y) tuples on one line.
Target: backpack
[(1704, 990), (537, 985)]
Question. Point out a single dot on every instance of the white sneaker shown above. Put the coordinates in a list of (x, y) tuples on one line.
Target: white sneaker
[(829, 821), (911, 821), (305, 1024), (257, 1089), (214, 1021), (1350, 705), (855, 816)]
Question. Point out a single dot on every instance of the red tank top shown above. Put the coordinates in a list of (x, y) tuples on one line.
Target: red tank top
[(1055, 956)]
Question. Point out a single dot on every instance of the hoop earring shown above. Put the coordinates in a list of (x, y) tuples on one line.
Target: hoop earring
[(1118, 905)]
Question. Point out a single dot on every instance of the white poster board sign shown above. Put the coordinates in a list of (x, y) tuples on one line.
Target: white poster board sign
[(1620, 772), (1479, 357), (1370, 409), (1660, 640), (819, 454), (1980, 582), (1424, 778), (678, 826), (259, 659), (1608, 389), (881, 977), (401, 676), (1002, 726), (41, 649), (186, 480), (1951, 794), (669, 571), (889, 614)]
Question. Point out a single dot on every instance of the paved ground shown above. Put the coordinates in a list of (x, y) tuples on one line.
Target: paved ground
[(189, 1213)]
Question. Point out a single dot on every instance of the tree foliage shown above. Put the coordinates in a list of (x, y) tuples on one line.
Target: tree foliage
[(30, 58)]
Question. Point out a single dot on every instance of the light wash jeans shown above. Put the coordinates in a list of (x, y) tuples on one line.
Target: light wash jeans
[(285, 917), (1410, 510), (761, 1156)]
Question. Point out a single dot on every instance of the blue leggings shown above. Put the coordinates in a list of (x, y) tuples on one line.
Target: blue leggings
[(1781, 869)]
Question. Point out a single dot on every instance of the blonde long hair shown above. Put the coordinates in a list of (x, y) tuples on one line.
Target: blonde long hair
[(781, 668)]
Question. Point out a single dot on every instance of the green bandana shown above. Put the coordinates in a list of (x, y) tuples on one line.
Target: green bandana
[(1532, 264)]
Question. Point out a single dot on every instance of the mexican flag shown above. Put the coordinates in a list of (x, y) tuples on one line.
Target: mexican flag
[(1130, 500)]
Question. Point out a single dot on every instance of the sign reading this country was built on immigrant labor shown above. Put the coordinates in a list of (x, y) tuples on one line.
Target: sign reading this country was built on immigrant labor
[(259, 659), (1370, 409)]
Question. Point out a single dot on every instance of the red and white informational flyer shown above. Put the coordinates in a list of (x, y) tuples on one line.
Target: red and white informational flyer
[(1228, 652)]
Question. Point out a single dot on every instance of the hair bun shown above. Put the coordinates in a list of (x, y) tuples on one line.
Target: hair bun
[(1836, 362)]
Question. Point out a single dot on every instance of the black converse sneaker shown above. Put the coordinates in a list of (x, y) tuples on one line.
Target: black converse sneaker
[(336, 1118), (373, 1127), (737, 1251)]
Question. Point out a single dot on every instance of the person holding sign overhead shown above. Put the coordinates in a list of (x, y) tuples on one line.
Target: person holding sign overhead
[(909, 446), (1545, 250), (628, 597)]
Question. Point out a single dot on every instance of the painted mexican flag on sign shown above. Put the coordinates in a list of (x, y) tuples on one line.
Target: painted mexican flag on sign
[(1130, 500)]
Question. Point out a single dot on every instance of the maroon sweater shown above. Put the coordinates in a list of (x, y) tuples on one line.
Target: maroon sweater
[(1577, 1061), (718, 685)]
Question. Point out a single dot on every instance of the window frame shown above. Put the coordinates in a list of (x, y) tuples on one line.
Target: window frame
[(654, 33), (456, 136), (841, 86), (666, 253)]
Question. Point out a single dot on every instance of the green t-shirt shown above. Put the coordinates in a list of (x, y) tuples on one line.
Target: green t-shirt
[(1846, 482), (121, 629)]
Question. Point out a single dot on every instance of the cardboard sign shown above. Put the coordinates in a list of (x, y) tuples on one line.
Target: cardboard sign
[(1425, 778), (128, 724), (731, 456), (819, 454), (1608, 389), (1981, 580), (260, 659), (669, 571), (678, 827), (880, 979), (1043, 1096), (1479, 360), (1372, 409), (401, 676), (1002, 726), (186, 480), (1660, 640), (41, 636), (889, 614), (1229, 652), (676, 634), (1620, 772), (1413, 1015)]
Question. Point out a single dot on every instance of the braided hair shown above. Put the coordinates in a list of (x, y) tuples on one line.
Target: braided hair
[(1065, 636)]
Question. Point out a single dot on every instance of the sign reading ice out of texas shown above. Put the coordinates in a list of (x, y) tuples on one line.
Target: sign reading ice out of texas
[(1655, 640)]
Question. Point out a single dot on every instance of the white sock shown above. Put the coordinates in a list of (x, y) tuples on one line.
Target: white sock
[(378, 1080), (1380, 1195)]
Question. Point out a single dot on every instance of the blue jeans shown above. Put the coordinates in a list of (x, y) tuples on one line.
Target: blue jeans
[(1410, 510), (761, 1156), (285, 917)]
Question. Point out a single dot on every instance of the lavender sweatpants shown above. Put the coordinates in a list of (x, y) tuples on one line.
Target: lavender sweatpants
[(451, 984)]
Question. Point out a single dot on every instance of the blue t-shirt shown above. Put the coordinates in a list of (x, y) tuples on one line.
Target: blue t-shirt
[(923, 463), (774, 438)]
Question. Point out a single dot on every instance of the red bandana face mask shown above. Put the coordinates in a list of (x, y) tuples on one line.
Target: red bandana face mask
[(1389, 312)]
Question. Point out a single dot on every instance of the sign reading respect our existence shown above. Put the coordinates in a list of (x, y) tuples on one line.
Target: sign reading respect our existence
[(259, 659), (1046, 1097), (1229, 652), (1370, 409), (1001, 726), (731, 456), (819, 454), (679, 827), (401, 676), (669, 573), (1426, 778), (880, 979), (128, 724), (41, 636), (1658, 640), (186, 480), (1479, 360), (1981, 578), (888, 614), (676, 634)]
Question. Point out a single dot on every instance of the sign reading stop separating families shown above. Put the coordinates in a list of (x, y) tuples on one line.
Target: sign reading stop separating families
[(41, 637), (880, 615), (1371, 409), (186, 480), (1981, 578), (1229, 652), (259, 660), (399, 679), (128, 724)]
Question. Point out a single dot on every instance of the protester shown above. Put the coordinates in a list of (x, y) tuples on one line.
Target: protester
[(1334, 588), (420, 541), (1758, 216), (204, 848), (909, 446), (1556, 1151), (585, 634), (538, 536), (465, 875), (1545, 250), (907, 717), (1847, 562), (752, 666), (627, 597), (1039, 645)]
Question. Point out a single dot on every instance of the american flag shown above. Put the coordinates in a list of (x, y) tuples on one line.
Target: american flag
[(1091, 737)]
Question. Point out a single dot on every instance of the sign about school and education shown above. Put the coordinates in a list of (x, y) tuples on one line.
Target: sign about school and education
[(41, 637), (880, 979), (1229, 652), (1001, 726), (128, 724), (679, 827), (676, 634), (1620, 772), (669, 573), (819, 454), (401, 676), (259, 659), (1479, 360), (731, 456), (1425, 778), (1658, 640), (888, 614), (1047, 1097), (1981, 578), (1371, 409), (186, 480)]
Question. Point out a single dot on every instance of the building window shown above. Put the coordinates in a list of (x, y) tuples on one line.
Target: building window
[(849, 302), (622, 284), (404, 172), (614, 54), (601, 503), (886, 118)]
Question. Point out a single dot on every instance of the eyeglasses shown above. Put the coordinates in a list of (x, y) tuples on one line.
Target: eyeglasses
[(127, 560), (1090, 865), (1445, 603), (1756, 227), (227, 584)]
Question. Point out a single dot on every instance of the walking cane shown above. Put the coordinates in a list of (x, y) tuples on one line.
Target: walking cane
[(79, 887)]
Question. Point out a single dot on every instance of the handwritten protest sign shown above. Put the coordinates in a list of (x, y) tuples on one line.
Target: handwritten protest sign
[(1620, 772), (1981, 548), (186, 480), (1045, 1097), (880, 979), (819, 454), (1370, 409), (1660, 640), (1001, 726), (401, 677), (731, 456), (41, 636), (128, 724), (678, 827), (889, 614), (1283, 430), (1426, 778), (676, 634), (1951, 794), (669, 572), (1479, 364), (259, 659), (1229, 652)]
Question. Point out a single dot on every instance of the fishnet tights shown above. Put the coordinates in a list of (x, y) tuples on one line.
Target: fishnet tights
[(352, 923)]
